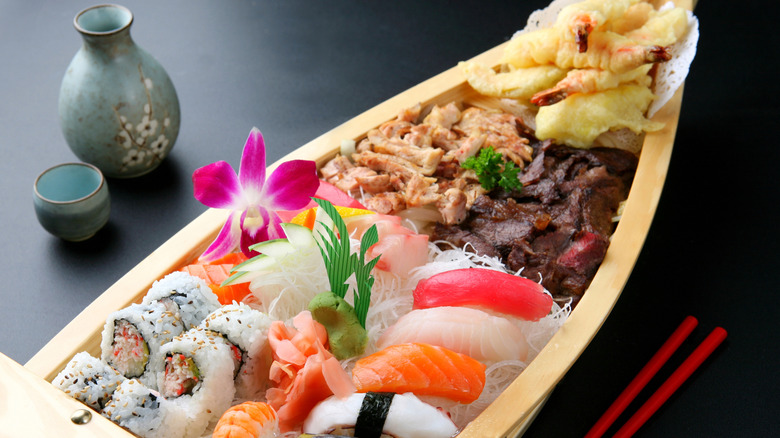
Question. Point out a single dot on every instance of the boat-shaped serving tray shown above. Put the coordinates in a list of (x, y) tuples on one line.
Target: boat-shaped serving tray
[(46, 407)]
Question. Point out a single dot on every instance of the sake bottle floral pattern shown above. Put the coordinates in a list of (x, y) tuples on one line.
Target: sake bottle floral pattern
[(118, 107), (143, 148)]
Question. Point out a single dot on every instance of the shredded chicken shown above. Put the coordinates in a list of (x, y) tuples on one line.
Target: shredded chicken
[(405, 163)]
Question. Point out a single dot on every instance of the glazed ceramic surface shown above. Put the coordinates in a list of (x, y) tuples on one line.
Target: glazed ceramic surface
[(118, 107), (71, 200)]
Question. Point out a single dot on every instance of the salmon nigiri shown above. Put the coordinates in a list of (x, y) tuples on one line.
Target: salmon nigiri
[(421, 369), (248, 420)]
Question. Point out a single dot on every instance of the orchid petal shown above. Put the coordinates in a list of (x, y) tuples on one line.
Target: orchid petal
[(291, 185), (226, 241), (275, 230), (216, 186), (251, 174)]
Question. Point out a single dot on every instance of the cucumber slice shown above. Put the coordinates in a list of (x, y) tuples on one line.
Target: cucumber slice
[(274, 248), (244, 276), (256, 263), (299, 236)]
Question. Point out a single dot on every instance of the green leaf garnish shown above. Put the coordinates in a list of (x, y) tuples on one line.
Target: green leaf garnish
[(340, 263), (492, 170)]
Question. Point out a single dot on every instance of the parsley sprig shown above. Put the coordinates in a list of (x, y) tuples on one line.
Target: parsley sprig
[(341, 263), (492, 170)]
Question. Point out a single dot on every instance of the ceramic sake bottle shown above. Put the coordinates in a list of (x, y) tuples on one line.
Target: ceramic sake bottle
[(118, 108)]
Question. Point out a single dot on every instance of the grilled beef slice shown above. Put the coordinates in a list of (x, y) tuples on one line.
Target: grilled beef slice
[(558, 226)]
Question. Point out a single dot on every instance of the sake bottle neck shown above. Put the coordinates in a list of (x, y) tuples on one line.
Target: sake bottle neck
[(105, 28)]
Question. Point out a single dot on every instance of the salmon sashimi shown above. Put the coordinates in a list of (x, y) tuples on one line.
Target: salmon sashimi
[(421, 369), (217, 271), (250, 419), (232, 258)]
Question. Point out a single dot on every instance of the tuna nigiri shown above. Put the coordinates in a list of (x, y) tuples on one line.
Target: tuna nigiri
[(421, 369), (461, 329), (248, 420), (495, 290)]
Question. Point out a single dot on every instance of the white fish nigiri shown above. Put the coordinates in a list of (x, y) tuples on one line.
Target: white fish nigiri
[(407, 416), (466, 330)]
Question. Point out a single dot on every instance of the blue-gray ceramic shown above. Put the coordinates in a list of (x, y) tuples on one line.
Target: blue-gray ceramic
[(118, 108), (71, 200)]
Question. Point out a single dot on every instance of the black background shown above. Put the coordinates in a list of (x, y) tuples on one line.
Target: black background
[(297, 69)]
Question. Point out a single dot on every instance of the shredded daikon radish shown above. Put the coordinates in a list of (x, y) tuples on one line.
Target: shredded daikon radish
[(298, 277), (295, 280)]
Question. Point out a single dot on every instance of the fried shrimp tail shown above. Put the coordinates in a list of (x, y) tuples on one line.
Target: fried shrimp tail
[(581, 31), (579, 20)]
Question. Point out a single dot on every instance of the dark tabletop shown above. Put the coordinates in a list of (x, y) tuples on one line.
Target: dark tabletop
[(297, 69)]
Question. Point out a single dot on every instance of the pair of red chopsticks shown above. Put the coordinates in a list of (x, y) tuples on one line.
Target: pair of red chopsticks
[(666, 389)]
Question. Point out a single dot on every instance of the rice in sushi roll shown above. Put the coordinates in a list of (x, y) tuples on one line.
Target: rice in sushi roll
[(132, 338), (247, 330), (88, 380), (197, 375), (144, 412), (187, 295)]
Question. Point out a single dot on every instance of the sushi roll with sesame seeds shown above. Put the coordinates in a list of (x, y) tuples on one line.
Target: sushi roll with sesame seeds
[(88, 380), (247, 331), (197, 375), (132, 338), (185, 294), (144, 412)]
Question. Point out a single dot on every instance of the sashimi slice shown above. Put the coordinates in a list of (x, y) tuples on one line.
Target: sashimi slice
[(400, 248), (464, 330), (421, 369), (495, 290), (214, 275), (232, 258)]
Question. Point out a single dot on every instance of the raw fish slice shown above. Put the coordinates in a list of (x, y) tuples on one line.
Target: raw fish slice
[(421, 369), (461, 329), (495, 290)]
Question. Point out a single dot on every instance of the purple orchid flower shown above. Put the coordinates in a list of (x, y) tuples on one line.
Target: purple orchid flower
[(253, 199)]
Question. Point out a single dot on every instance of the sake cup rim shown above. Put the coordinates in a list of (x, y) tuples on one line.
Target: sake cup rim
[(84, 31), (71, 201)]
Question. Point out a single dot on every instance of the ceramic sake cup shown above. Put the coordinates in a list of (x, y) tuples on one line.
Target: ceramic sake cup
[(71, 200)]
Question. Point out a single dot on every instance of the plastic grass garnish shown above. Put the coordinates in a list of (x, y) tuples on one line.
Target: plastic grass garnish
[(341, 263)]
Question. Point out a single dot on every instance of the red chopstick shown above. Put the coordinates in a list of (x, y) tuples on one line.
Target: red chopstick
[(645, 374), (672, 383)]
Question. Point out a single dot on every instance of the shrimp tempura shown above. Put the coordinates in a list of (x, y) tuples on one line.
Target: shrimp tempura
[(590, 80), (607, 51)]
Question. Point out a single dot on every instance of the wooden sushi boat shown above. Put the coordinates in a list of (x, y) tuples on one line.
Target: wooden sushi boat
[(40, 405)]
